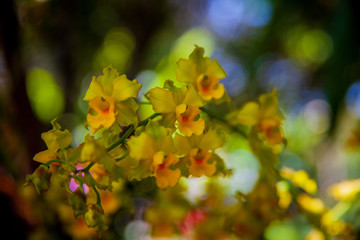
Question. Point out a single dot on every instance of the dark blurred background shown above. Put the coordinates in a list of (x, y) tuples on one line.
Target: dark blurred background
[(308, 50)]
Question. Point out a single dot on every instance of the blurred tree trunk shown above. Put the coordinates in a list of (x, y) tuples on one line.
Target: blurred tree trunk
[(19, 115)]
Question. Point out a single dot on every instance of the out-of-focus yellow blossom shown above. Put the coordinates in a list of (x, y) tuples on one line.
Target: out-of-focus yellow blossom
[(315, 234), (332, 224), (79, 230), (264, 117), (165, 177), (199, 151), (345, 190), (109, 200), (94, 152), (312, 205), (54, 139), (111, 98), (353, 142), (166, 214), (204, 74), (200, 163), (300, 179), (181, 104), (285, 197), (248, 115), (152, 154)]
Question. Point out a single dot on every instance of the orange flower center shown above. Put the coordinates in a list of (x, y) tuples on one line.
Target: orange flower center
[(205, 83), (199, 161), (185, 119), (200, 156), (208, 87), (161, 166)]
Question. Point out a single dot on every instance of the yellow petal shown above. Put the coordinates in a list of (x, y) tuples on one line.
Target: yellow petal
[(141, 147), (199, 163), (94, 90), (182, 144), (214, 69), (98, 172), (186, 71), (212, 139), (269, 105), (313, 205), (107, 80), (89, 153), (101, 113), (126, 112), (166, 177), (45, 156), (192, 97), (50, 139), (346, 190), (208, 87), (178, 94), (315, 235), (248, 114), (158, 159), (56, 139), (162, 100), (186, 124), (271, 130), (123, 88)]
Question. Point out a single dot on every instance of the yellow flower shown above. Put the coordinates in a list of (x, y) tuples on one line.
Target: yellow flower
[(104, 115), (313, 205), (248, 115), (93, 152), (152, 154), (198, 150), (346, 190), (54, 139), (200, 165), (315, 234), (111, 98), (300, 179), (165, 177), (331, 220), (209, 87), (271, 130), (264, 117), (181, 104), (186, 123), (204, 74), (285, 198)]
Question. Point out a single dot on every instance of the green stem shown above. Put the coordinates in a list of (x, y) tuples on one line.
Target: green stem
[(130, 131), (122, 139), (88, 167), (78, 179), (98, 198), (144, 103), (145, 121), (223, 120), (123, 156), (53, 161)]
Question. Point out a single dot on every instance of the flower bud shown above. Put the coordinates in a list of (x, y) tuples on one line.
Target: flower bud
[(94, 215), (40, 178)]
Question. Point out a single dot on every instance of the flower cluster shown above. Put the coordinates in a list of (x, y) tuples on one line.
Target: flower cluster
[(175, 141), (123, 157)]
